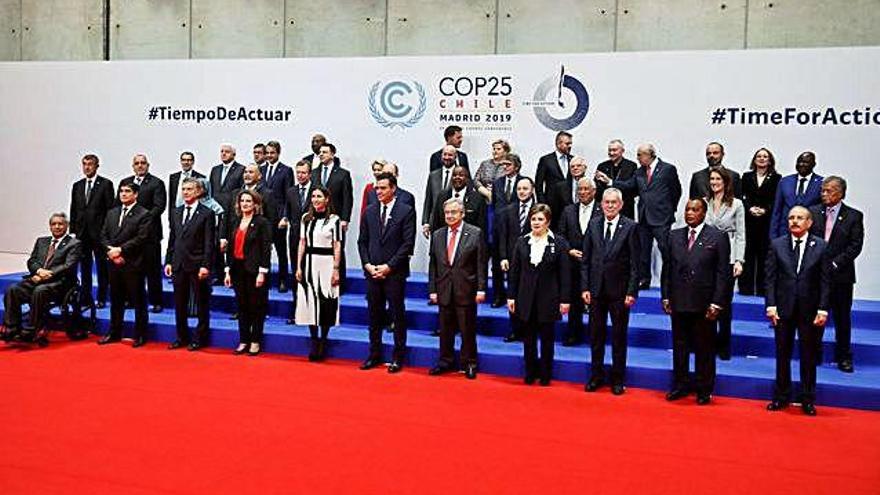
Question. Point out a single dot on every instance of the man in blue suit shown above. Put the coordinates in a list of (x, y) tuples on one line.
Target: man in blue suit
[(798, 284), (279, 178), (801, 189), (385, 243)]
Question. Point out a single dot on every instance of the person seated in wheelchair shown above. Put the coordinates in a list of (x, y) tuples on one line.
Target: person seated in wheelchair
[(51, 273)]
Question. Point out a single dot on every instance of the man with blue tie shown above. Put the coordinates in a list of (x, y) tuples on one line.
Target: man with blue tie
[(800, 189), (798, 284), (278, 177), (297, 201), (331, 175), (385, 243)]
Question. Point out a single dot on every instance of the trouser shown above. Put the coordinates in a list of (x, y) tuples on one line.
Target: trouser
[(600, 308), (293, 250), (92, 251), (127, 285), (380, 292), (841, 302), (533, 330), (576, 308), (463, 318), (808, 335), (647, 235), (724, 324), (252, 302), (757, 242), (279, 240), (153, 271), (38, 296), (691, 330), (187, 283), (498, 291)]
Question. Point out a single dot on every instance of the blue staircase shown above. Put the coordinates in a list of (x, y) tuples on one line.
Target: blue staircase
[(748, 374)]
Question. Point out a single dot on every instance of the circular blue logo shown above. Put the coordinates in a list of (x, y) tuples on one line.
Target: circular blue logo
[(577, 115), (397, 103)]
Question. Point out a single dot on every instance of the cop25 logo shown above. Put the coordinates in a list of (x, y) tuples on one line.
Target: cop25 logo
[(397, 103), (550, 95)]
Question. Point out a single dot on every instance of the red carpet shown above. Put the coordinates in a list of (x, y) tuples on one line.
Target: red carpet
[(77, 418)]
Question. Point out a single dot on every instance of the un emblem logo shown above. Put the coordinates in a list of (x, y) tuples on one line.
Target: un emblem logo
[(397, 103)]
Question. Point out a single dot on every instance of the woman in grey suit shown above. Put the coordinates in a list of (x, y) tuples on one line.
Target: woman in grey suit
[(726, 213)]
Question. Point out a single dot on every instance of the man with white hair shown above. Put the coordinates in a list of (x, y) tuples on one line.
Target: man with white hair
[(565, 192), (618, 168)]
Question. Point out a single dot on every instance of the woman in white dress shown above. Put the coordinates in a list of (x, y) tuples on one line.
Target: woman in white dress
[(727, 214), (317, 273)]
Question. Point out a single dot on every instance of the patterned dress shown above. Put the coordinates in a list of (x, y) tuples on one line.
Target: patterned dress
[(317, 301)]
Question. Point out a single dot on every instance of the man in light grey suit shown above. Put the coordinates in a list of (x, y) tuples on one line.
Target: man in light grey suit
[(438, 181), (457, 283)]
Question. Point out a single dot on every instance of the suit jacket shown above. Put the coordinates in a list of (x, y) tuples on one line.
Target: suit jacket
[(131, 236), (570, 224), (392, 245), (270, 211), (657, 200), (153, 197), (174, 185), (474, 209), (700, 184), (510, 230), (280, 181), (732, 221), (549, 172), (540, 289), (63, 263), (457, 281), (787, 198), (435, 163), (87, 217), (611, 269), (845, 243), (433, 190), (498, 198), (559, 198), (257, 244), (623, 171), (224, 192), (789, 290), (692, 280), (295, 211), (341, 190), (191, 246)]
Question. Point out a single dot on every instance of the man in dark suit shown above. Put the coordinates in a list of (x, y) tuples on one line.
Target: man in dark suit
[(618, 168), (700, 180), (51, 272), (457, 283), (402, 195), (696, 281), (90, 199), (331, 175), (503, 193), (126, 233), (553, 166), (572, 226), (278, 177), (297, 201), (798, 284), (842, 228), (188, 262), (565, 192), (385, 243), (226, 179), (610, 284), (657, 185), (252, 182), (439, 180), (513, 223), (259, 153), (800, 189), (474, 203), (314, 158), (453, 136), (175, 181), (153, 197)]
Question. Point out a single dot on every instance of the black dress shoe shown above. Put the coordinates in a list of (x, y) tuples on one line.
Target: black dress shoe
[(241, 349), (139, 342), (439, 370), (529, 379), (544, 382), (497, 303), (322, 350), (100, 305), (703, 399), (109, 339), (470, 371), (175, 345), (291, 321), (676, 394), (571, 341), (724, 355), (618, 389), (809, 409), (434, 333), (644, 284), (777, 405), (845, 366), (431, 303), (511, 337), (194, 346), (593, 385), (282, 287), (156, 308), (395, 367), (371, 362), (10, 334), (234, 316)]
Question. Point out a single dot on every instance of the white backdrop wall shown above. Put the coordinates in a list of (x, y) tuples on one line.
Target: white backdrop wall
[(53, 113)]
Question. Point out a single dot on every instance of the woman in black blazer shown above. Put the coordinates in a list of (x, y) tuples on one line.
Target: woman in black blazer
[(759, 191), (248, 258), (538, 294)]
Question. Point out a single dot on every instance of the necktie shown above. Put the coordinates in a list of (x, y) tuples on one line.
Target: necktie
[(138, 180), (584, 217), (450, 246), (649, 173), (445, 178), (122, 217), (608, 234), (223, 172), (563, 163), (507, 189), (522, 216), (692, 237), (801, 183), (384, 217), (797, 254), (574, 192), (829, 224), (302, 197), (186, 217), (51, 253), (324, 176), (183, 177), (271, 172), (88, 189)]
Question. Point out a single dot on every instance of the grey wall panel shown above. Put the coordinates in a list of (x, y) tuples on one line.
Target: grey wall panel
[(62, 30), (227, 29), (527, 26), (337, 28), (149, 29), (10, 29), (681, 24), (437, 27), (810, 23)]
